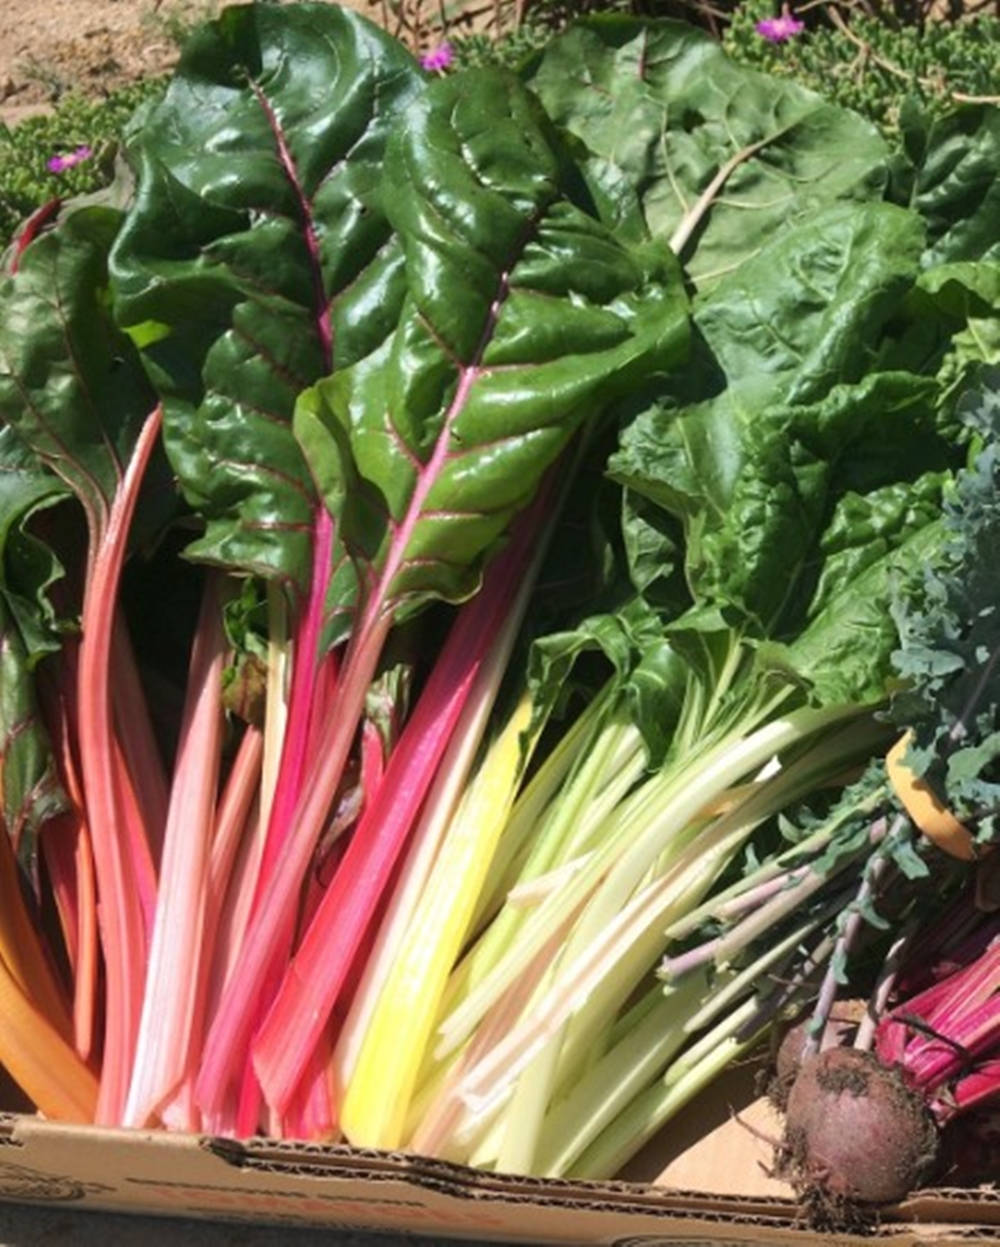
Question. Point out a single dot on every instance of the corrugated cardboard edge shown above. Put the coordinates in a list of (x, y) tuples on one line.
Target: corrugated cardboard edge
[(335, 1186)]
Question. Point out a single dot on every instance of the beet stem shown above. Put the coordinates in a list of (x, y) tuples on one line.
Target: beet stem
[(850, 925), (878, 1004)]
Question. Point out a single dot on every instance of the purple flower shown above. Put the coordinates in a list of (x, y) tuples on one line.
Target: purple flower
[(439, 58), (59, 164), (778, 29)]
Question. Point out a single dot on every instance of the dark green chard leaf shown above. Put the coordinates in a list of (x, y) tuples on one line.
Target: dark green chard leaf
[(29, 787), (31, 790), (582, 569), (523, 318), (660, 113), (28, 566), (953, 181), (622, 640), (968, 294), (258, 257), (654, 552), (843, 650), (70, 383), (806, 312), (947, 327)]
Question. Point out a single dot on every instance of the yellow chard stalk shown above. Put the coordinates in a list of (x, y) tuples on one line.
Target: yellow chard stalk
[(375, 1106)]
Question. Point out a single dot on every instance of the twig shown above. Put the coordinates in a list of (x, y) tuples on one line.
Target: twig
[(961, 98), (709, 10), (708, 15), (888, 66), (692, 218)]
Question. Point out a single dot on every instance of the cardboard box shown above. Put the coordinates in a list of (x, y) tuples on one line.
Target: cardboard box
[(704, 1182)]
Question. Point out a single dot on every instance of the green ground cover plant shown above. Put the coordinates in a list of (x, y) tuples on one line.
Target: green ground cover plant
[(26, 182), (873, 64)]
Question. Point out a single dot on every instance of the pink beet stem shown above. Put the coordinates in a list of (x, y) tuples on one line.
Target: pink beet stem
[(977, 1088), (118, 872), (135, 730)]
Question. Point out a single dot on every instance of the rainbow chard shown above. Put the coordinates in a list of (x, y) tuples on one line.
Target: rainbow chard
[(255, 260), (469, 316), (72, 389), (521, 317)]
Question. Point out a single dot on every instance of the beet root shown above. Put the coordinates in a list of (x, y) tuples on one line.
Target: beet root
[(854, 1132), (841, 1026)]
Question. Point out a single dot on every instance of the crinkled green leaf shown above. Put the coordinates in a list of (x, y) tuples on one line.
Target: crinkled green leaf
[(523, 318), (258, 256), (30, 788), (807, 312), (954, 183), (865, 527), (649, 674), (845, 648), (28, 566), (969, 294), (948, 327), (791, 423), (654, 550), (660, 110)]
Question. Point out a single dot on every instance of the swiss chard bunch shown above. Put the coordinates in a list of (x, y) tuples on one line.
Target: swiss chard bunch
[(368, 345), (372, 357)]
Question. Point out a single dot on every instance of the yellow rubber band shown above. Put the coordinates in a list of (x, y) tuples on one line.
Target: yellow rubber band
[(924, 807)]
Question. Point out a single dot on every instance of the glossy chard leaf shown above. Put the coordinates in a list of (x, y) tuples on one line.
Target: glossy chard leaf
[(523, 318), (680, 143), (70, 384), (258, 257)]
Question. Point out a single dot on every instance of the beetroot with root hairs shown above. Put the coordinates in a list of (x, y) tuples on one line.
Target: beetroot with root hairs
[(855, 1133)]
